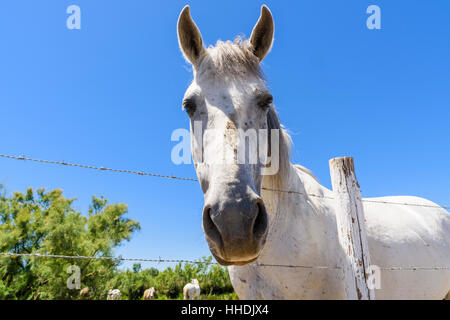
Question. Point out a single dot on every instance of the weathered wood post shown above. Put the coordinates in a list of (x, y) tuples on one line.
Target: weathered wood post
[(351, 229)]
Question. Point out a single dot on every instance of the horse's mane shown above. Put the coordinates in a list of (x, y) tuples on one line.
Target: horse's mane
[(278, 181)]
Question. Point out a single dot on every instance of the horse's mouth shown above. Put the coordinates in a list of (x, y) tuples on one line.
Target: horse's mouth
[(219, 255), (233, 263)]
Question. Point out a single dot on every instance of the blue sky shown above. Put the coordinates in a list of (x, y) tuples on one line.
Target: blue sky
[(110, 95)]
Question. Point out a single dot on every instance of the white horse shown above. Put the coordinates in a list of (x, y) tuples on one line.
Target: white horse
[(114, 294), (149, 294), (191, 291), (247, 224), (84, 293)]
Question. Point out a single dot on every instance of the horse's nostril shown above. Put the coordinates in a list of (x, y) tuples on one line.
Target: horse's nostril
[(210, 227), (260, 222)]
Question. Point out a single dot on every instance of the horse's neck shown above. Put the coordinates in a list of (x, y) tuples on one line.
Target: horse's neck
[(296, 221), (282, 195)]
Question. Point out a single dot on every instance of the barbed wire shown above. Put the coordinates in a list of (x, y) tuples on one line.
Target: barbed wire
[(160, 260), (298, 266), (406, 204), (414, 268), (298, 192), (339, 268), (141, 173), (57, 256)]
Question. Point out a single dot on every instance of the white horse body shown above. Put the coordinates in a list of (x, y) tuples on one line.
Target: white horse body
[(149, 294), (114, 294), (303, 232), (247, 225)]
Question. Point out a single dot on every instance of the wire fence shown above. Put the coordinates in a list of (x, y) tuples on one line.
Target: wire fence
[(57, 256), (142, 173), (160, 260)]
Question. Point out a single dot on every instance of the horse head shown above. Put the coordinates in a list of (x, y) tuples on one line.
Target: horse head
[(228, 104)]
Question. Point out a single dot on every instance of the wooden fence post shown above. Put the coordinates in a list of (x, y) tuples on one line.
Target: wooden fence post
[(351, 229)]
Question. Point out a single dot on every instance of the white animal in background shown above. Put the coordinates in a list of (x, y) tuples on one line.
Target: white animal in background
[(84, 293), (114, 295), (248, 222), (149, 294), (191, 291)]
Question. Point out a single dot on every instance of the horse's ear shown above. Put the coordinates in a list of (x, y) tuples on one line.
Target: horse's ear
[(189, 37), (262, 34)]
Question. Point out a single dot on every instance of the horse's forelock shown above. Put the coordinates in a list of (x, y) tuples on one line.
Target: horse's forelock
[(229, 60)]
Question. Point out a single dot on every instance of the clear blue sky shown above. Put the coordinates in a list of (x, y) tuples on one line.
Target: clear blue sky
[(110, 95)]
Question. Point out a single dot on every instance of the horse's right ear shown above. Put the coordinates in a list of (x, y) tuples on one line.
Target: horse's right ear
[(189, 37)]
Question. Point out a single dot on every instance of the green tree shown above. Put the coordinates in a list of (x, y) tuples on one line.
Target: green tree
[(46, 223)]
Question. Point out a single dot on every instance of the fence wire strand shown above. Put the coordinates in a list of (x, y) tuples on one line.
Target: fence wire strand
[(63, 163), (142, 173), (57, 256), (160, 260)]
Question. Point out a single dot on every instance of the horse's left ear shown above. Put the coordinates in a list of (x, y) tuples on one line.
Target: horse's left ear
[(262, 34)]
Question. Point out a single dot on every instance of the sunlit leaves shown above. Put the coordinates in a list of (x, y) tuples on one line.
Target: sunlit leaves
[(46, 223)]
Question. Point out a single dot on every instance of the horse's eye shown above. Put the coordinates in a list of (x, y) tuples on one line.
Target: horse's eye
[(265, 100), (190, 106)]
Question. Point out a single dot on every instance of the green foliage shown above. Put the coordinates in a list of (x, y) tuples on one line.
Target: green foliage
[(214, 281), (46, 223)]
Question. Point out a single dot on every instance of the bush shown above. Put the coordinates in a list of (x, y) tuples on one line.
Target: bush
[(214, 281)]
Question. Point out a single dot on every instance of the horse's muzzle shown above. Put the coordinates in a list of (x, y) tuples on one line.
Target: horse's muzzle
[(236, 230)]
